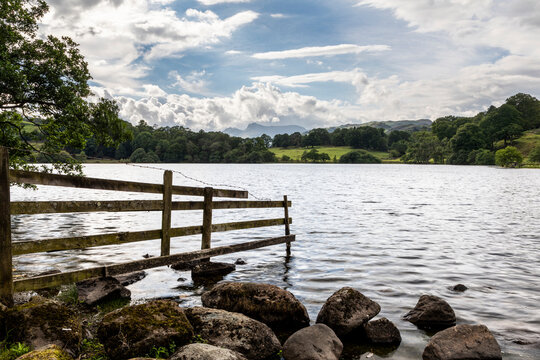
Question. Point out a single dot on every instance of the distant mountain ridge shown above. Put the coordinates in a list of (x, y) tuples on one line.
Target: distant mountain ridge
[(255, 130)]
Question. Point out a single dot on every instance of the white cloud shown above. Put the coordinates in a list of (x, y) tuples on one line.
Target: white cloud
[(278, 16), (233, 52), (354, 77), (215, 2), (114, 35), (331, 50), (193, 83), (260, 102)]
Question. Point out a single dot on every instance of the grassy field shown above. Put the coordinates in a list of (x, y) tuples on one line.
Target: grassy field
[(528, 141), (337, 151)]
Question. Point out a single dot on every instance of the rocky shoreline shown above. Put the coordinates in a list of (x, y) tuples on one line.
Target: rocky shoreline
[(238, 321)]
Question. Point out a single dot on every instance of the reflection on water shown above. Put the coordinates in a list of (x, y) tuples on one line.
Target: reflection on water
[(394, 232)]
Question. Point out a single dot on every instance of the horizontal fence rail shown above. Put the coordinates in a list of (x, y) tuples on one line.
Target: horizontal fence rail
[(83, 242), (41, 282), (38, 178), (52, 207), (166, 206)]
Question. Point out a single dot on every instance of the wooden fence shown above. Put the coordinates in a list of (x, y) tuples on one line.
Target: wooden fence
[(8, 249)]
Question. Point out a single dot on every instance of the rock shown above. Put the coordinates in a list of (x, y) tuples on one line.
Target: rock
[(459, 288), (240, 261), (95, 291), (42, 322), (269, 304), (234, 331), (431, 312), (317, 342), (382, 332), (471, 342), (133, 330), (185, 265), (50, 352), (346, 311), (205, 352), (211, 269), (130, 278)]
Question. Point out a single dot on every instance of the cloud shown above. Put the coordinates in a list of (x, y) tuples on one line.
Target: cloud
[(354, 77), (260, 102), (120, 39), (215, 2), (192, 83), (331, 50), (512, 25)]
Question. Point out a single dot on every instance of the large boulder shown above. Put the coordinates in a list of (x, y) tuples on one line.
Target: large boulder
[(471, 342), (96, 291), (431, 312), (133, 330), (347, 310), (50, 352), (382, 332), (317, 342), (269, 304), (234, 331), (205, 352), (41, 322)]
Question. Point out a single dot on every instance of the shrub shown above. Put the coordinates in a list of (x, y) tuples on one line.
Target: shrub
[(508, 157), (359, 157)]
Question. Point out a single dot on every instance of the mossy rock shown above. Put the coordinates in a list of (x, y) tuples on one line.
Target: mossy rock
[(51, 352), (42, 322), (134, 330), (276, 307)]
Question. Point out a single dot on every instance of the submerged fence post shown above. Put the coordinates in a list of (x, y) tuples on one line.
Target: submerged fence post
[(166, 214), (287, 227), (207, 219), (6, 270)]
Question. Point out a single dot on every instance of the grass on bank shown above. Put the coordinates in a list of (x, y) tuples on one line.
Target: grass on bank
[(333, 151)]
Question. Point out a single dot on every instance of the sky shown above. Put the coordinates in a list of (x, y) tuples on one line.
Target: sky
[(213, 64)]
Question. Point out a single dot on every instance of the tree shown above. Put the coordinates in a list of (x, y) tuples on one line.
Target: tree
[(502, 124), (44, 86), (529, 108), (508, 157), (424, 146)]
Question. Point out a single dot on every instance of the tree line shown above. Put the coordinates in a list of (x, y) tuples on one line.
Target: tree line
[(178, 144), (475, 140)]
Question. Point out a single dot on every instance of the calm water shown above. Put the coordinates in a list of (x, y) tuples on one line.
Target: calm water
[(394, 232)]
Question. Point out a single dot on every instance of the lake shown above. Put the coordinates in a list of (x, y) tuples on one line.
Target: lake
[(394, 232)]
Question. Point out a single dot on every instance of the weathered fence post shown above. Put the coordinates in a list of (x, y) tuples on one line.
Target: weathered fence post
[(6, 275), (287, 227), (166, 214), (207, 218)]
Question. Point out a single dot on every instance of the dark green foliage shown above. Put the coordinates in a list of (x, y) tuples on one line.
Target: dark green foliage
[(534, 155), (315, 156), (502, 124), (44, 83), (483, 157), (529, 108), (359, 157), (424, 146), (508, 157), (363, 137)]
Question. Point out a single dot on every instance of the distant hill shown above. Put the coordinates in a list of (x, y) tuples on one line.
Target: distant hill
[(403, 125), (255, 130)]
